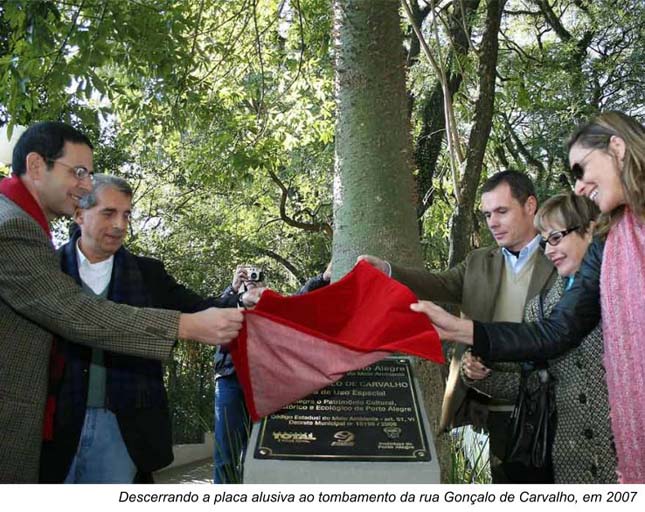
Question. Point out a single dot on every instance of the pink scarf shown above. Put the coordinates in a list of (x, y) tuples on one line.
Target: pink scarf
[(622, 290)]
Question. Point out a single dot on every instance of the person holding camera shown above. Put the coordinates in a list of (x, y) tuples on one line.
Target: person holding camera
[(232, 425)]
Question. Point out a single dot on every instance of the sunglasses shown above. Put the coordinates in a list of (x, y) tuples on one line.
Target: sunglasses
[(556, 237), (577, 170)]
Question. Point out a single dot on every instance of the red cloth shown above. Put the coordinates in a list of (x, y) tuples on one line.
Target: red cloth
[(290, 347), (15, 190)]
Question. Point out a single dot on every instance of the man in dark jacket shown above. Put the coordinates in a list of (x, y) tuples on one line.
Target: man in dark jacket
[(112, 417)]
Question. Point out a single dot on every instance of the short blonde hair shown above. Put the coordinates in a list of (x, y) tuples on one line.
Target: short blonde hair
[(568, 210)]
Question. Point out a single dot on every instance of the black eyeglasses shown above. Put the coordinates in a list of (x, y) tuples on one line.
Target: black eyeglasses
[(556, 237), (81, 172)]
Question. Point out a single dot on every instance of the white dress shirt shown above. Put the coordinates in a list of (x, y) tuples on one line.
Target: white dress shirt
[(516, 263), (95, 275)]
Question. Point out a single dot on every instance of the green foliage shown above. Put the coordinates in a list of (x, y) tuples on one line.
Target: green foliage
[(552, 74), (190, 384), (221, 113), (554, 79)]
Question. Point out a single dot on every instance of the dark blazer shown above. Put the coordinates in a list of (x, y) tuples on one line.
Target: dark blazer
[(473, 285), (37, 301), (143, 416)]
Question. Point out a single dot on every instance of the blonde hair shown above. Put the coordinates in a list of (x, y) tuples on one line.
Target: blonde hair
[(568, 210), (597, 135)]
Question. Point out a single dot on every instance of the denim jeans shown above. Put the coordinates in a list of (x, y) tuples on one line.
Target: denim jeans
[(231, 430), (101, 456)]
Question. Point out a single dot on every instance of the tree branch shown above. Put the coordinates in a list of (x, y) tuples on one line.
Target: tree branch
[(60, 51), (452, 137), (313, 227), (531, 160), (282, 260), (553, 20)]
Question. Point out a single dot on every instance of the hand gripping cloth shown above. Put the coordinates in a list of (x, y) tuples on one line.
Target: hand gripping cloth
[(290, 347)]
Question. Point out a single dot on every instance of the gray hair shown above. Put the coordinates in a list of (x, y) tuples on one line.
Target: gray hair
[(101, 181)]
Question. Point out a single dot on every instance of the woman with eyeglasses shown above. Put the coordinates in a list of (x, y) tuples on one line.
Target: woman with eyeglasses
[(607, 159), (581, 450)]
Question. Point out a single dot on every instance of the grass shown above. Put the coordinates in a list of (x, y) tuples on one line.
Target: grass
[(469, 457)]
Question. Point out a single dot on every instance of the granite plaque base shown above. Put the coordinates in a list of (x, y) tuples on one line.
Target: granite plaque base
[(369, 427)]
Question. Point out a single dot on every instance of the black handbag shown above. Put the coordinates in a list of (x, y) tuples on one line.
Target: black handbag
[(533, 421)]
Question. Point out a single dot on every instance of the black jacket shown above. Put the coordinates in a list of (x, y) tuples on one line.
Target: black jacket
[(313, 283), (573, 318), (146, 430)]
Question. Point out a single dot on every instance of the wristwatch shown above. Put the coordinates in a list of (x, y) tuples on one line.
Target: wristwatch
[(240, 301)]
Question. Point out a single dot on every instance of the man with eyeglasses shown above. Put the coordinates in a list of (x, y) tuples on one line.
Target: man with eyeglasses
[(492, 283), (51, 171)]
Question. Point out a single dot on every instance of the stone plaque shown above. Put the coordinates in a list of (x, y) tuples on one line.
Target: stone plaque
[(371, 414)]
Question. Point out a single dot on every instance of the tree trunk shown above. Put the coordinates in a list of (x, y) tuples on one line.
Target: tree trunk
[(374, 196), (461, 227)]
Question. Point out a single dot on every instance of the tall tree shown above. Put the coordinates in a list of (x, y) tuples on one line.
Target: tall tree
[(374, 206), (462, 220), (222, 113)]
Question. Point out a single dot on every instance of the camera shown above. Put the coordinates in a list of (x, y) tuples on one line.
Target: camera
[(254, 274)]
